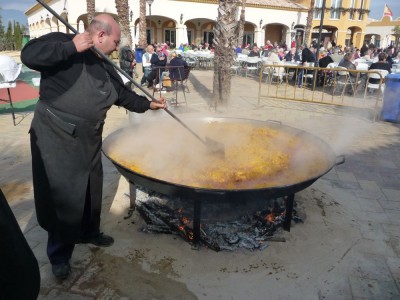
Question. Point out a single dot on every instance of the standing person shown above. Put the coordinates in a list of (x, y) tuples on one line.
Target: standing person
[(307, 56), (126, 59), (146, 58), (76, 91)]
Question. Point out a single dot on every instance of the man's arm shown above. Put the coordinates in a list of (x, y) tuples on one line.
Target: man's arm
[(48, 51)]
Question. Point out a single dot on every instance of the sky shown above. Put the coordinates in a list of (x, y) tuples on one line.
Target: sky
[(14, 9)]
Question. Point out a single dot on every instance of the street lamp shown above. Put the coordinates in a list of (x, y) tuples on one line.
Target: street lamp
[(150, 2)]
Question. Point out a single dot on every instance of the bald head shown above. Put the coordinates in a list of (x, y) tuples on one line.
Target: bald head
[(105, 32)]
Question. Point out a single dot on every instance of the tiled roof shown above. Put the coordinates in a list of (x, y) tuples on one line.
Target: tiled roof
[(276, 3)]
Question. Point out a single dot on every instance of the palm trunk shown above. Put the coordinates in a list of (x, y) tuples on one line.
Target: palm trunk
[(142, 24), (225, 40), (90, 7), (123, 16), (307, 32), (242, 20)]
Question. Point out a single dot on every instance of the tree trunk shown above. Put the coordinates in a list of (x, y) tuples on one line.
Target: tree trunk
[(242, 20), (90, 7), (225, 40), (123, 16), (142, 24), (307, 32)]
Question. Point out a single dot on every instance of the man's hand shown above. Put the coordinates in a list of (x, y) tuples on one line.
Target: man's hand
[(162, 103), (83, 41)]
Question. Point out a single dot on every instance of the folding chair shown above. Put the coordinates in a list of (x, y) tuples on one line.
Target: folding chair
[(344, 79), (8, 81), (181, 83), (380, 86)]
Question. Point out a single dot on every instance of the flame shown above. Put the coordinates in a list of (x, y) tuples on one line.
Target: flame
[(270, 218)]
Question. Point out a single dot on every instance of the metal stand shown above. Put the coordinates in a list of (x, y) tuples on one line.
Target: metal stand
[(11, 104), (196, 222), (289, 212)]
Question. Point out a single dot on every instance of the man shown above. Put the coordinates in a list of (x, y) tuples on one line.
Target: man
[(126, 59), (307, 56), (292, 55), (158, 62), (76, 91), (255, 52)]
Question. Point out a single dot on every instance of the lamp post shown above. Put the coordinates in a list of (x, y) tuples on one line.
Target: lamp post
[(150, 2)]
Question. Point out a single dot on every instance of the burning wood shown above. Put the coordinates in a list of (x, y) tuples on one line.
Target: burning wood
[(250, 231)]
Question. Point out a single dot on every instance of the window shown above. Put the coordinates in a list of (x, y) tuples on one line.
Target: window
[(360, 15), (170, 36), (317, 13), (189, 35), (148, 36), (352, 13), (335, 9), (248, 38), (208, 37)]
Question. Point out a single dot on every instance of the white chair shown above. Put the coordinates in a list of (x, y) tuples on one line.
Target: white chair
[(8, 77), (252, 65), (378, 75), (308, 75), (278, 71), (344, 79)]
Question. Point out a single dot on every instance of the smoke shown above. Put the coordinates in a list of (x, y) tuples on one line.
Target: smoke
[(255, 155)]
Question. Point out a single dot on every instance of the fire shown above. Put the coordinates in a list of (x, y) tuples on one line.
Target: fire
[(270, 218)]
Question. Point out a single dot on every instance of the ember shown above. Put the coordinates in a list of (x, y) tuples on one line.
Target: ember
[(250, 231)]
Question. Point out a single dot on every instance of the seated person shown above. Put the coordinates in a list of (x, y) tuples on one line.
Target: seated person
[(158, 62), (380, 65), (254, 52), (292, 56), (324, 61), (347, 62), (177, 67)]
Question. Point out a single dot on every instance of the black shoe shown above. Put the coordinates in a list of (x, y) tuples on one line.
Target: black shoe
[(61, 271), (100, 240)]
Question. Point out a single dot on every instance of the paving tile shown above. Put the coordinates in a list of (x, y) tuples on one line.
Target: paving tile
[(394, 266), (392, 194), (346, 176), (369, 185), (370, 205), (373, 289)]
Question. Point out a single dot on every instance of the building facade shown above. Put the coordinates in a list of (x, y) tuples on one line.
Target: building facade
[(180, 21), (380, 32), (344, 21)]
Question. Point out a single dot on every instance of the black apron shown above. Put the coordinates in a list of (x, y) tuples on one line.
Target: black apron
[(66, 139)]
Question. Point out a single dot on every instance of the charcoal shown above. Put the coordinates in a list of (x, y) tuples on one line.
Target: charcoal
[(249, 231)]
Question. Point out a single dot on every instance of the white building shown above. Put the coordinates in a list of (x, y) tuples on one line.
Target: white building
[(180, 21)]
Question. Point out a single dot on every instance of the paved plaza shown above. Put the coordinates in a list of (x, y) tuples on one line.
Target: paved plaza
[(347, 248)]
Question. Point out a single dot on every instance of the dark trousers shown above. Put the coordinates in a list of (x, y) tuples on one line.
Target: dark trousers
[(59, 251)]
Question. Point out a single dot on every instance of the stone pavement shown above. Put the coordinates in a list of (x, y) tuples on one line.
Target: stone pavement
[(348, 247)]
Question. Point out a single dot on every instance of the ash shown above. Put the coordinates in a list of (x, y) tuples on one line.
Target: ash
[(252, 230)]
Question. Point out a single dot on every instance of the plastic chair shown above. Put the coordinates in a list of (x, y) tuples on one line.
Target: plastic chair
[(344, 79), (380, 75), (8, 81), (181, 83)]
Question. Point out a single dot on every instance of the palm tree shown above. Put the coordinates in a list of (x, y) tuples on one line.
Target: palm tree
[(242, 20), (309, 22), (142, 24), (90, 7), (225, 40), (123, 16)]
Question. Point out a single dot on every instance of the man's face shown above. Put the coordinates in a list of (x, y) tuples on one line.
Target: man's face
[(108, 43)]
